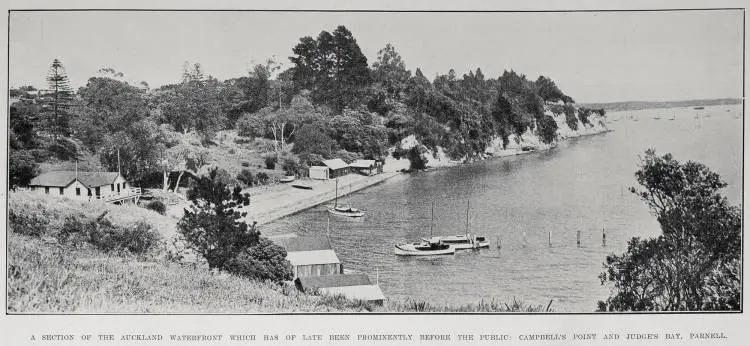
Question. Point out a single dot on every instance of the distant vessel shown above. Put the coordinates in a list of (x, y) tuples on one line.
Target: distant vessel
[(341, 210), (672, 118), (699, 107)]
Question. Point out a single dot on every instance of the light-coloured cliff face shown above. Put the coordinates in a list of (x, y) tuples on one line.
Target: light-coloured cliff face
[(527, 142)]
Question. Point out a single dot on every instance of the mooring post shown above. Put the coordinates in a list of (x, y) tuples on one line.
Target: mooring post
[(499, 244), (578, 238), (549, 238), (604, 237), (524, 239)]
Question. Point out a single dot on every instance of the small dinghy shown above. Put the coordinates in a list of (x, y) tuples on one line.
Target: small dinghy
[(303, 186), (287, 179)]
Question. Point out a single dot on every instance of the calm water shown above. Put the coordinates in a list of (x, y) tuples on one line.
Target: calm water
[(579, 186)]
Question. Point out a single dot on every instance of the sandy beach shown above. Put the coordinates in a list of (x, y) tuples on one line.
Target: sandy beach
[(270, 203)]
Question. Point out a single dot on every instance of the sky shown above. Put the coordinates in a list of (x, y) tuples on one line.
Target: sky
[(592, 56)]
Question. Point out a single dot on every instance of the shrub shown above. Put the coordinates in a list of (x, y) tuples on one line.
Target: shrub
[(245, 164), (262, 178), (246, 177), (570, 117), (270, 161), (157, 206), (290, 166), (28, 222), (231, 151), (137, 239), (262, 261), (415, 158)]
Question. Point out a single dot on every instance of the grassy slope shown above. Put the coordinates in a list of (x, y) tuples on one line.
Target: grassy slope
[(47, 276)]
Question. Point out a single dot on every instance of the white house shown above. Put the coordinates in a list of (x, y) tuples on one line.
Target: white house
[(106, 186)]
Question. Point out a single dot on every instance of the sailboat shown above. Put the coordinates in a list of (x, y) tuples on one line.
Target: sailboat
[(467, 240), (336, 209), (431, 246)]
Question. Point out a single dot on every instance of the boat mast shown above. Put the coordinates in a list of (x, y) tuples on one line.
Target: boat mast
[(336, 201), (432, 219)]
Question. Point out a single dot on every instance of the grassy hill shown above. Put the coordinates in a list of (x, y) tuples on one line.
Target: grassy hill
[(51, 270)]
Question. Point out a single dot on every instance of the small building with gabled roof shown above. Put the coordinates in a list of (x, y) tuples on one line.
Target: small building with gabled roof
[(107, 186), (351, 286), (329, 169), (367, 167), (310, 256)]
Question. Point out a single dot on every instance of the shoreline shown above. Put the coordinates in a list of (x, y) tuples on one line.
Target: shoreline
[(268, 204)]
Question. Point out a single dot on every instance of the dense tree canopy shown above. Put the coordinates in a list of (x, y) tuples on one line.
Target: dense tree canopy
[(694, 264)]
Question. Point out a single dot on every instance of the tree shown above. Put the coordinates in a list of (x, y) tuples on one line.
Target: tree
[(332, 67), (213, 225), (389, 70), (262, 261), (694, 264), (62, 95), (314, 139), (547, 129), (109, 105)]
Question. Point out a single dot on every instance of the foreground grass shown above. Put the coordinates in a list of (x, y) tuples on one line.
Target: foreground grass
[(48, 274), (54, 278)]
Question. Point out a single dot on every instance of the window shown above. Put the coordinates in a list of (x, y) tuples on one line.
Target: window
[(78, 191), (62, 191), (112, 186), (89, 192), (118, 187), (124, 185), (46, 190)]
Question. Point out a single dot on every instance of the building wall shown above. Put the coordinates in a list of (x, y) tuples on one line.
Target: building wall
[(319, 172), (67, 192), (318, 269)]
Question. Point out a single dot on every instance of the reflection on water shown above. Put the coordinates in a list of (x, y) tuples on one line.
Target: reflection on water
[(534, 205)]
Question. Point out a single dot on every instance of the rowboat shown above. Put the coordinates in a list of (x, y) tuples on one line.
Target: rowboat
[(304, 186)]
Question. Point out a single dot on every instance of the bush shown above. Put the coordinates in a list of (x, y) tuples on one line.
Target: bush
[(262, 178), (246, 177), (270, 161), (231, 151), (27, 222), (21, 168), (290, 166), (157, 206), (245, 164), (415, 158), (137, 239), (570, 117), (262, 261)]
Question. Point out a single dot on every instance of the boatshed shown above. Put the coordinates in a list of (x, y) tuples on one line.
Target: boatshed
[(351, 286), (330, 169), (367, 167), (311, 256)]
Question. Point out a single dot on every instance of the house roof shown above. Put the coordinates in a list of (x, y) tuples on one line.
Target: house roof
[(293, 244), (363, 164), (337, 280), (335, 164), (302, 258), (65, 178)]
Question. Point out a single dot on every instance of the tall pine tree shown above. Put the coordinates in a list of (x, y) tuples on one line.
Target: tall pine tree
[(61, 99)]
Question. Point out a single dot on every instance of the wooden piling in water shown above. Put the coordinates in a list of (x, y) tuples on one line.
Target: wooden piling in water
[(604, 237), (549, 238), (578, 238)]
